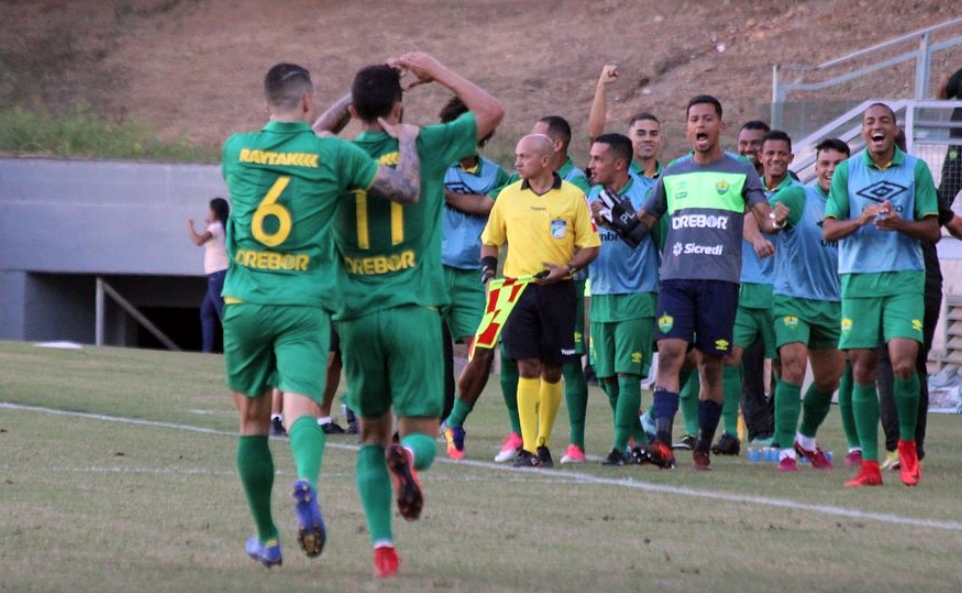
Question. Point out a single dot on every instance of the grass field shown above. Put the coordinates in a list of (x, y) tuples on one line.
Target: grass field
[(118, 474)]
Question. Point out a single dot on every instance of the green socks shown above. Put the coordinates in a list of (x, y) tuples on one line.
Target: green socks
[(256, 468), (845, 410), (788, 406), (626, 411), (688, 399), (459, 413), (907, 403), (509, 390), (307, 445), (732, 388), (866, 407), (423, 447), (375, 491), (815, 409), (576, 400)]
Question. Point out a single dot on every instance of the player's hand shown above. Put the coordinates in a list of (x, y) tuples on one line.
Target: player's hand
[(399, 130), (887, 218), (869, 213), (780, 214), (764, 248), (422, 65), (609, 74)]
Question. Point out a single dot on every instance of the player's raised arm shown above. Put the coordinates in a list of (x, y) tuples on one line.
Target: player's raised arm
[(487, 110)]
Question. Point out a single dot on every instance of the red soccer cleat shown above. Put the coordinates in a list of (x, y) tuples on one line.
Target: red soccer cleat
[(386, 562), (910, 470), (817, 457), (870, 475)]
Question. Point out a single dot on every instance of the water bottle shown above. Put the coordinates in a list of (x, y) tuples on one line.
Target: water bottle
[(754, 455)]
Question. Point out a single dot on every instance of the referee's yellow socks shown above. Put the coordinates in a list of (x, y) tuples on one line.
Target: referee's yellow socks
[(551, 394), (529, 397)]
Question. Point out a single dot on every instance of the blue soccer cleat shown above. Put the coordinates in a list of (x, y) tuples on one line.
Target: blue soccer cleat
[(268, 554), (311, 534)]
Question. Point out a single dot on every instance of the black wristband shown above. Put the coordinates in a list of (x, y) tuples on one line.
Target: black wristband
[(489, 262)]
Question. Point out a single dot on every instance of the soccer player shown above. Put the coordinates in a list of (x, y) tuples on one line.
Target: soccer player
[(807, 309), (750, 142), (706, 196), (624, 280), (754, 321), (284, 183), (393, 283), (548, 226), (467, 204), (882, 203)]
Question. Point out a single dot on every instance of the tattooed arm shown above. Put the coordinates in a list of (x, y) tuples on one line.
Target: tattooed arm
[(335, 118), (403, 183)]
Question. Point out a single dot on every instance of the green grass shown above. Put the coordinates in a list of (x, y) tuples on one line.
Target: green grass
[(149, 500), (82, 133)]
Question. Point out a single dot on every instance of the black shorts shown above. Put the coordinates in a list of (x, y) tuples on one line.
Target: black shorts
[(542, 324), (701, 312)]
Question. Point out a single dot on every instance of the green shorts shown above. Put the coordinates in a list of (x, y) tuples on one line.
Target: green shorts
[(806, 321), (752, 324), (867, 323), (622, 346), (580, 317), (466, 291), (276, 346), (392, 358)]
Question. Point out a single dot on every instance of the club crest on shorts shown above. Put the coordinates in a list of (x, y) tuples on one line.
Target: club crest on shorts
[(636, 357), (917, 325), (790, 321), (846, 325), (665, 323), (558, 229)]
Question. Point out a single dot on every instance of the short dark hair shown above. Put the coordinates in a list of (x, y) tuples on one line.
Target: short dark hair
[(777, 136), (619, 144), (285, 84), (699, 99), (454, 109), (375, 90), (895, 119), (221, 210), (643, 116), (558, 129), (755, 124), (835, 144)]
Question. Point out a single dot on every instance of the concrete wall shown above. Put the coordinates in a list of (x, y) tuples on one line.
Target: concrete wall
[(64, 223)]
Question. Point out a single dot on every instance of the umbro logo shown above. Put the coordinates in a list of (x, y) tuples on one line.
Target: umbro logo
[(881, 191)]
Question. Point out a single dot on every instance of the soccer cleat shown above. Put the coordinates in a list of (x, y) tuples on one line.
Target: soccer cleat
[(454, 436), (615, 457), (786, 465), (509, 448), (544, 456), (573, 454), (727, 445), (277, 428), (685, 443), (311, 533), (526, 459), (911, 469), (854, 458), (660, 454), (868, 476), (407, 487), (638, 456), (332, 428), (701, 461), (817, 457), (268, 554), (386, 562), (891, 462)]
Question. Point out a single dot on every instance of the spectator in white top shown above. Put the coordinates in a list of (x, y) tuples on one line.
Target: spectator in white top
[(215, 266)]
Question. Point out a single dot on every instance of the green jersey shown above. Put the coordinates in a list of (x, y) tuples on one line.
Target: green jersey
[(391, 253), (284, 182)]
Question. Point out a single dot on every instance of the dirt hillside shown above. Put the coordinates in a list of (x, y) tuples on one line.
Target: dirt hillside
[(193, 68)]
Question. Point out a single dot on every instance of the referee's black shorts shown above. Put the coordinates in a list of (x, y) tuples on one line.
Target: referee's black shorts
[(542, 324)]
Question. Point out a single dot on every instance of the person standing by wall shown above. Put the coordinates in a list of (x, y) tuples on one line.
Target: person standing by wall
[(215, 267)]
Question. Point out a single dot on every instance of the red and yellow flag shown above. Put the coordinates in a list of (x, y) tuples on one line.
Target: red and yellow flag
[(503, 295)]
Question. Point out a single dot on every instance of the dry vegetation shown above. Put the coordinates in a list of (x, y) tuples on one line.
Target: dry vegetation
[(192, 68)]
